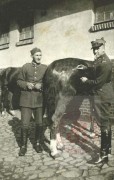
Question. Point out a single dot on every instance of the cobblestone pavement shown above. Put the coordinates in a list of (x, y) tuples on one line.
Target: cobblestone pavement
[(73, 163)]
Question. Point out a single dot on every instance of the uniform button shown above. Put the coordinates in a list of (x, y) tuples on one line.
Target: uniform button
[(35, 72), (35, 77)]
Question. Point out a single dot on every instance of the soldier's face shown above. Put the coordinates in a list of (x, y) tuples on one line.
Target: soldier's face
[(37, 57), (98, 51)]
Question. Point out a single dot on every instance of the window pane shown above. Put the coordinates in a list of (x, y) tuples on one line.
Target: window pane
[(107, 16), (104, 13), (22, 35), (99, 16), (26, 33), (4, 39), (112, 15)]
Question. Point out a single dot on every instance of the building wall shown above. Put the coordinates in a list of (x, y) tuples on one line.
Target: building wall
[(61, 30)]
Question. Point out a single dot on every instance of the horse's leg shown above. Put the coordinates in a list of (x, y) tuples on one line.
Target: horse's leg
[(2, 103), (10, 101), (60, 145), (2, 109), (60, 109)]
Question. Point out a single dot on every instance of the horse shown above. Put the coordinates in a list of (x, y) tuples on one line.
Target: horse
[(10, 92), (61, 84)]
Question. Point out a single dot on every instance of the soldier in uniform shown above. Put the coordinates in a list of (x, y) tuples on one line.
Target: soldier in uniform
[(31, 100), (102, 95)]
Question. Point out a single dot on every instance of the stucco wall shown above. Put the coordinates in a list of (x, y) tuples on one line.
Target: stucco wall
[(60, 31)]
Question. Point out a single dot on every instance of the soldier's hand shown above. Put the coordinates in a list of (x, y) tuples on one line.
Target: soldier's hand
[(38, 86), (30, 85), (84, 79)]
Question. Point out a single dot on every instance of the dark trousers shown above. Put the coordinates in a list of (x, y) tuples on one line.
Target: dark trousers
[(102, 112), (26, 114)]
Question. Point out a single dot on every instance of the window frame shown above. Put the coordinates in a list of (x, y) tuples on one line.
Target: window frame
[(25, 22), (104, 24), (4, 31), (4, 41), (104, 10)]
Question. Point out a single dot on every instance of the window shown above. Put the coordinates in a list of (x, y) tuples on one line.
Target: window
[(26, 33), (104, 13), (4, 41), (104, 16), (4, 32)]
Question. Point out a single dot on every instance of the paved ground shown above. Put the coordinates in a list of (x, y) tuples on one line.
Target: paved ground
[(73, 164)]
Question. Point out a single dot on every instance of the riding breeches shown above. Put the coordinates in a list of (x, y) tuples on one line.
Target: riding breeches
[(26, 115), (102, 112)]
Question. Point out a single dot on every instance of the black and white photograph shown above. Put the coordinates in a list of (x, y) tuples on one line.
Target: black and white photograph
[(56, 89)]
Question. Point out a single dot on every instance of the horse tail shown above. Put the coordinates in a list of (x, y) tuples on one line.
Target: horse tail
[(50, 90)]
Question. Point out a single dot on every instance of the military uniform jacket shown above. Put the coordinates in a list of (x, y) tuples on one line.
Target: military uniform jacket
[(101, 84), (31, 72)]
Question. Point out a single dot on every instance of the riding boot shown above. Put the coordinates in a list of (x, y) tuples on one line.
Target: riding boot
[(104, 147), (24, 136), (38, 139)]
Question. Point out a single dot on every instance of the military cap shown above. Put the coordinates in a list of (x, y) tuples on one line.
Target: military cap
[(34, 50), (97, 43)]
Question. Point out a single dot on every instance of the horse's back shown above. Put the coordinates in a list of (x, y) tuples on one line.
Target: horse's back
[(68, 63), (62, 70)]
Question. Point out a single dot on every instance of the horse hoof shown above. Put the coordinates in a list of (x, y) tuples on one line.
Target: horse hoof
[(60, 147), (3, 113), (55, 155)]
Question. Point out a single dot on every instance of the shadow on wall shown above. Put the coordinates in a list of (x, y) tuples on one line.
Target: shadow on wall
[(57, 8), (46, 9)]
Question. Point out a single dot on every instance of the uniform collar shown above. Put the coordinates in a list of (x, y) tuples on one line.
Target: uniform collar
[(100, 59), (34, 64)]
